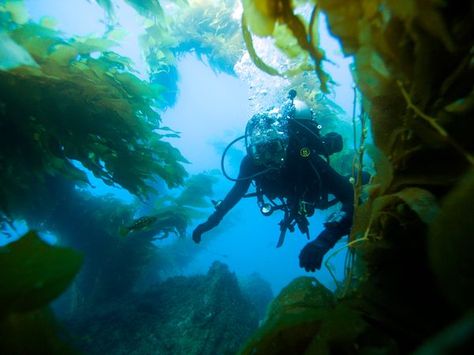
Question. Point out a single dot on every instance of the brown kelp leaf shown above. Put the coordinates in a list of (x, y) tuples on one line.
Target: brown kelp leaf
[(261, 15), (344, 21), (421, 201), (339, 330), (451, 244), (63, 54), (253, 54), (293, 319), (34, 273)]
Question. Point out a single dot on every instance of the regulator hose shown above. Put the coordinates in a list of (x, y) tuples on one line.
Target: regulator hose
[(243, 178)]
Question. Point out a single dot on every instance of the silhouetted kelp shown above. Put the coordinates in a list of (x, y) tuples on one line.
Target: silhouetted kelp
[(33, 274), (414, 271)]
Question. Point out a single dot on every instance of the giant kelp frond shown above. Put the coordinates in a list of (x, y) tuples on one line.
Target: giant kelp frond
[(77, 107), (205, 28), (148, 8), (197, 189), (173, 213), (294, 35)]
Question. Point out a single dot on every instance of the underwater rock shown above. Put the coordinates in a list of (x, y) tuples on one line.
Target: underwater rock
[(258, 292), (183, 315)]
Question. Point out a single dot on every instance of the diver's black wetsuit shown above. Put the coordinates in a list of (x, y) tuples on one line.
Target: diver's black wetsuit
[(306, 179)]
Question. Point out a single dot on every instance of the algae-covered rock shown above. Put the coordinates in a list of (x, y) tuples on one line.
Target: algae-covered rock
[(183, 315)]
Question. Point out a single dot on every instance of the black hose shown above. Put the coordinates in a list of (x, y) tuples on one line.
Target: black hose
[(244, 178)]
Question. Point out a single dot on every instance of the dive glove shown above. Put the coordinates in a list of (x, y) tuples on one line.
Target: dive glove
[(211, 222), (311, 256)]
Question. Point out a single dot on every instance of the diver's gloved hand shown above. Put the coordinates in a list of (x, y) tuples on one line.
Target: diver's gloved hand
[(311, 256), (211, 222), (198, 231)]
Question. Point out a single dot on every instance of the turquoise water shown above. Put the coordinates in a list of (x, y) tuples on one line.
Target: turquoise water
[(211, 110)]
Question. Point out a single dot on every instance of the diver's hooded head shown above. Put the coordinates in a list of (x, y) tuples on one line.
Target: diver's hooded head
[(301, 110)]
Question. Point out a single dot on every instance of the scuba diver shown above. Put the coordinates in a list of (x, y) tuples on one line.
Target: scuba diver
[(288, 161)]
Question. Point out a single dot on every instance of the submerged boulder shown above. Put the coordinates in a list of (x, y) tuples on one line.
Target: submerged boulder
[(183, 315)]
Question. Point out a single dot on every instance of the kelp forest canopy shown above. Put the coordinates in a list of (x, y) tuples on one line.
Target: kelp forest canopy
[(71, 104)]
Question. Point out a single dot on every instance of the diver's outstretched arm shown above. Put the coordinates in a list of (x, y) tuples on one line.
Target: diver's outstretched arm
[(337, 225), (239, 189)]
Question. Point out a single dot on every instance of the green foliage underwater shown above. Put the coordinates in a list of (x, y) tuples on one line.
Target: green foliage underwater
[(71, 105)]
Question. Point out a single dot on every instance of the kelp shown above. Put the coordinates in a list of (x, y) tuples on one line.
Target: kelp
[(74, 107), (205, 28), (294, 315), (115, 264), (294, 35), (450, 244), (33, 274), (148, 8), (412, 236), (305, 318), (173, 213)]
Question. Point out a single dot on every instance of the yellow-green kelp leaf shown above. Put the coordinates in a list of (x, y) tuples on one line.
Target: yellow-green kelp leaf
[(12, 55), (293, 319), (266, 18), (261, 15), (305, 318), (451, 244), (17, 10), (253, 54), (33, 273)]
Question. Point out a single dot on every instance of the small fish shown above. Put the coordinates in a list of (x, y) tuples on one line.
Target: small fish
[(138, 225)]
